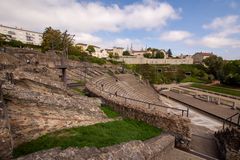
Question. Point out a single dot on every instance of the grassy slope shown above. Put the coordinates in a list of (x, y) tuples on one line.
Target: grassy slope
[(79, 91), (99, 135), (191, 79), (218, 89), (109, 112)]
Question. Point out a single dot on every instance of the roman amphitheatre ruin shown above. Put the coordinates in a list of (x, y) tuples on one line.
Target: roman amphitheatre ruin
[(37, 98)]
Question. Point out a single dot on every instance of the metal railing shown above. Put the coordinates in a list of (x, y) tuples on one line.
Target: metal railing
[(144, 102), (230, 122)]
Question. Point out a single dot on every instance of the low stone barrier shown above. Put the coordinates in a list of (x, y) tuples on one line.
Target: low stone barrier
[(155, 148)]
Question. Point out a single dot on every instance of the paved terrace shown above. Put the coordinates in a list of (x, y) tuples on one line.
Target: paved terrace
[(218, 111)]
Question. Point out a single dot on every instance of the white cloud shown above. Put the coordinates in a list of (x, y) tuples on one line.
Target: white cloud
[(225, 31), (222, 22), (88, 38), (124, 42), (213, 41), (86, 16), (176, 35)]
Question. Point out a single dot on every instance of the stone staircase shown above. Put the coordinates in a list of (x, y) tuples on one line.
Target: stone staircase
[(127, 86)]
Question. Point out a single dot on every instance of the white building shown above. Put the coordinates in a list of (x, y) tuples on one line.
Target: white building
[(143, 60), (25, 36), (101, 54), (118, 51)]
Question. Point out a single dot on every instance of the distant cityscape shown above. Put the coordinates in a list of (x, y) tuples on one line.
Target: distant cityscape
[(134, 57)]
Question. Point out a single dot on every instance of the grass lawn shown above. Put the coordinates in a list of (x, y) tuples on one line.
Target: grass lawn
[(109, 111), (225, 90), (98, 135), (191, 79), (79, 91), (227, 86)]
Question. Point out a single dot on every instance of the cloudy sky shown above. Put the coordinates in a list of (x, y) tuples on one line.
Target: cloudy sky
[(185, 26)]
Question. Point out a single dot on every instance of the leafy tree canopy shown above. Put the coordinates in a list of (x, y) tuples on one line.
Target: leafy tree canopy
[(126, 53), (214, 66), (56, 40), (159, 54), (90, 49), (169, 52)]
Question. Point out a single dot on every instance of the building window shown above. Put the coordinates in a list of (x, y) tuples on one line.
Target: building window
[(29, 38), (11, 33)]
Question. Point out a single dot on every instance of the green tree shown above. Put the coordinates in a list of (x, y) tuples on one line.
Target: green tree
[(110, 54), (231, 73), (214, 66), (67, 39), (169, 52), (2, 39), (116, 55), (147, 55), (15, 43), (159, 54), (149, 49), (90, 49), (52, 39), (126, 53)]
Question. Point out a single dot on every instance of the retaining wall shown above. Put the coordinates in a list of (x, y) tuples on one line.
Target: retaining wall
[(142, 60), (178, 125)]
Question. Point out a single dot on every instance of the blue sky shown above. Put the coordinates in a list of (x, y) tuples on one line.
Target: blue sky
[(184, 26)]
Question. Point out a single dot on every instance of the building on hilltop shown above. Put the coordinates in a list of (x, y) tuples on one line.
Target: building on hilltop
[(118, 50), (25, 36), (109, 50), (115, 51), (142, 52), (200, 56), (83, 46), (138, 53), (100, 53)]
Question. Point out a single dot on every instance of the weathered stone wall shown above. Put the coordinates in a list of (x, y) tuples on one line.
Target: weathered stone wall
[(155, 148), (229, 143), (39, 74), (142, 60), (6, 145), (178, 125), (34, 113)]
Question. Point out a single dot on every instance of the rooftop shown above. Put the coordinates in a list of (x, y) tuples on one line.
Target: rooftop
[(20, 29)]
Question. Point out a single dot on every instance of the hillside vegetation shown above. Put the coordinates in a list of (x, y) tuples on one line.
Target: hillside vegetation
[(159, 74)]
